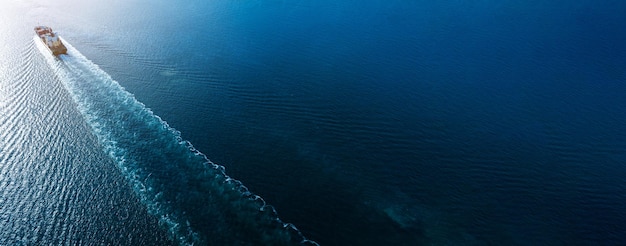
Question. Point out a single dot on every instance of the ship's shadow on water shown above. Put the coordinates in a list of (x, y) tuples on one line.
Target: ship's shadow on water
[(192, 197)]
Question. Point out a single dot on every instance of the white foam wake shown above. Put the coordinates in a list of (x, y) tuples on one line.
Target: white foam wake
[(67, 68), (176, 182)]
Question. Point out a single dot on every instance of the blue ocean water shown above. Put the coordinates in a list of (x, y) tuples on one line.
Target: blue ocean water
[(360, 122)]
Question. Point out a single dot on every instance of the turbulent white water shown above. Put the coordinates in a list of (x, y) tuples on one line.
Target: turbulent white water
[(192, 197)]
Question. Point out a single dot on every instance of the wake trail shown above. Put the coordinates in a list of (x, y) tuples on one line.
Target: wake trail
[(193, 198)]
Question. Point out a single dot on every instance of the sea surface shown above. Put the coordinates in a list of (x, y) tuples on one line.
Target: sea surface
[(305, 122)]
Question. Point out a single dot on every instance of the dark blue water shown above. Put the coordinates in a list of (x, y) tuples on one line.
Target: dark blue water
[(361, 123)]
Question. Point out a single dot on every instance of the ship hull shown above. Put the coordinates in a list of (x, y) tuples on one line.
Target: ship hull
[(56, 51), (51, 40)]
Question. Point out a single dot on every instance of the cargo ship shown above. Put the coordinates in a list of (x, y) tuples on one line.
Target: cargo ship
[(51, 40)]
